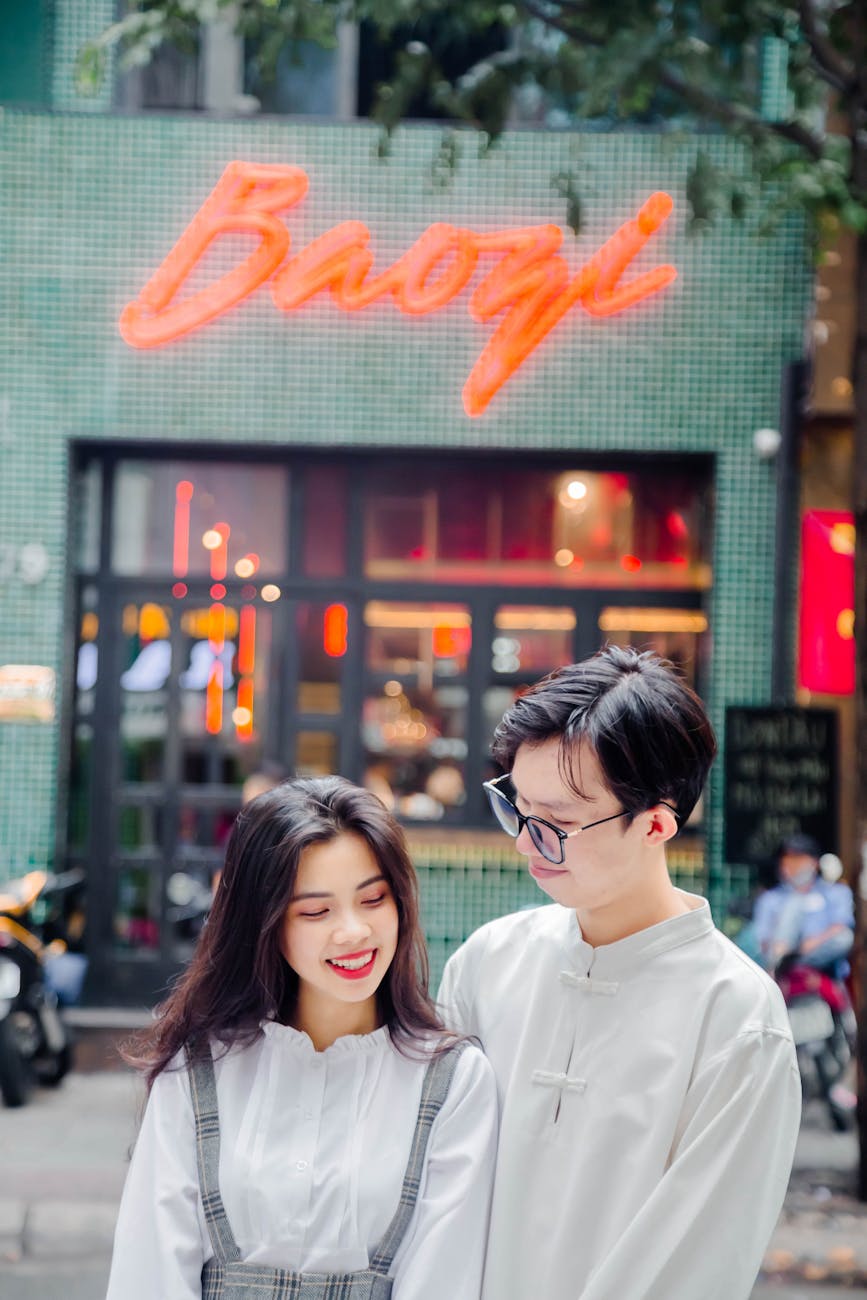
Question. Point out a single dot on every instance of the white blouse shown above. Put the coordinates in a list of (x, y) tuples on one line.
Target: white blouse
[(314, 1146)]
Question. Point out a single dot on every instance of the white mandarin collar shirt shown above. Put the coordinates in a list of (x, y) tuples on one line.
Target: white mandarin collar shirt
[(313, 1150), (650, 1103)]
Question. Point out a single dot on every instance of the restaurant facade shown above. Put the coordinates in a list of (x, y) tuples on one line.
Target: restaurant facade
[(314, 459)]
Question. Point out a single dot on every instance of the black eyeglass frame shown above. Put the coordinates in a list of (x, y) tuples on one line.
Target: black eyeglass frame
[(491, 789)]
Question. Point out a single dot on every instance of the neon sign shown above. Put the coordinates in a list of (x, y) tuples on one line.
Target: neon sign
[(531, 286)]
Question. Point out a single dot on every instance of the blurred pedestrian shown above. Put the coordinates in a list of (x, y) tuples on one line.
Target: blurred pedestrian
[(805, 917)]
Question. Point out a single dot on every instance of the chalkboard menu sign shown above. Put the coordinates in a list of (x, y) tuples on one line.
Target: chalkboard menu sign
[(780, 777)]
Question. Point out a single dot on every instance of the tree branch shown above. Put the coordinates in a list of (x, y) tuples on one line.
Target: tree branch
[(738, 115), (828, 60)]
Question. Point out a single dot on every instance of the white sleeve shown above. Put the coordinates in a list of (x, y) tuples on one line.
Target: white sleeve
[(704, 1230), (452, 1002), (443, 1252), (158, 1242)]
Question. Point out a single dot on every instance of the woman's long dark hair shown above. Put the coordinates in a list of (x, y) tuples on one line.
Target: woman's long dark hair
[(238, 976)]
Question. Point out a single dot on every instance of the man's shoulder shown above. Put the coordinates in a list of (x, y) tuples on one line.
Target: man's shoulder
[(741, 996)]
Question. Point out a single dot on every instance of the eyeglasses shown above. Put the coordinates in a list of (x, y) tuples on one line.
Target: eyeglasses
[(548, 839)]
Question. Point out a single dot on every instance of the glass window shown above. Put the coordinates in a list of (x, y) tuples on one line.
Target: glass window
[(223, 682), (199, 519), (531, 640), (322, 645), (315, 753), (83, 730), (325, 516), (146, 668), (88, 516), (409, 639), (414, 720), (137, 910), (541, 527)]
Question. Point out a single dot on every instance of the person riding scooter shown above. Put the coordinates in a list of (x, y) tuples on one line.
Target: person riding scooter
[(805, 919), (803, 931)]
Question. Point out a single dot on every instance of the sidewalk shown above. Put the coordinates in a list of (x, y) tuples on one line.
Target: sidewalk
[(63, 1159)]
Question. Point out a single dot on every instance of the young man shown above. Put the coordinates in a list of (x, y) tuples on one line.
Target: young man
[(648, 1087)]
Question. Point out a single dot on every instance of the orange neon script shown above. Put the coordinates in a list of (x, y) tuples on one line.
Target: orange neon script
[(530, 287)]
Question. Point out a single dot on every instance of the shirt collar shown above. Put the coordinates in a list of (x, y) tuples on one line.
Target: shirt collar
[(615, 960)]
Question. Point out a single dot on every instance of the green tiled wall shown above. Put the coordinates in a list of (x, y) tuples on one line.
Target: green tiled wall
[(91, 203)]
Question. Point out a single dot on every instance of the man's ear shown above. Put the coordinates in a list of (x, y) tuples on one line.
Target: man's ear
[(661, 824)]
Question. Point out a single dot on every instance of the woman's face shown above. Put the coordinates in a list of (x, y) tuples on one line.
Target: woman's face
[(340, 931)]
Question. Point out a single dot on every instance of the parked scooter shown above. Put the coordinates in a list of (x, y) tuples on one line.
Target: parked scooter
[(823, 1027), (34, 1042)]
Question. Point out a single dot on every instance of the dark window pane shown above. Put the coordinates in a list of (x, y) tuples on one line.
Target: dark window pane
[(205, 519), (325, 515)]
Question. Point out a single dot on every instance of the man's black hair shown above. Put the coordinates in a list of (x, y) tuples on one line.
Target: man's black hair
[(647, 728)]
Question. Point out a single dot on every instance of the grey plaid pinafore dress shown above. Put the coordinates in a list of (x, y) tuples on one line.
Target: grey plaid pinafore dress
[(227, 1277)]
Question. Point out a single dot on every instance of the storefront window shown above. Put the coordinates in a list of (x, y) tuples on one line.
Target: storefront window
[(414, 716), (418, 599), (325, 518), (225, 656), (322, 642), (137, 910), (203, 519), (83, 730), (565, 527), (531, 639)]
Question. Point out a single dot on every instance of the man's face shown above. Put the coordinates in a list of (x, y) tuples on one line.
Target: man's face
[(798, 869), (602, 865)]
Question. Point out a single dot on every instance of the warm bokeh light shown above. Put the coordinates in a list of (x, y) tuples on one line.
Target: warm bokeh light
[(247, 565), (630, 563), (218, 591), (179, 590), (242, 717), (270, 592), (564, 557), (211, 539), (576, 490), (334, 631)]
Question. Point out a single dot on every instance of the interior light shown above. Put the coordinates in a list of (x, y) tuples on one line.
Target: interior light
[(379, 613), (620, 618), (517, 618), (270, 592), (179, 590), (211, 539), (242, 717), (334, 631), (393, 688), (630, 563), (218, 591), (247, 565), (576, 489), (564, 557)]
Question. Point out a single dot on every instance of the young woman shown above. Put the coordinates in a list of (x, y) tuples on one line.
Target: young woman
[(311, 1129)]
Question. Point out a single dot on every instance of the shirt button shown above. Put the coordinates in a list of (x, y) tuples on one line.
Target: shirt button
[(301, 1165)]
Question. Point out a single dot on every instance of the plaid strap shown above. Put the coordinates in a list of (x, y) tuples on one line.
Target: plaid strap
[(204, 1093), (435, 1089)]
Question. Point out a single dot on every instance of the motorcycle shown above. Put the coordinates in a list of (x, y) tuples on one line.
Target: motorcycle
[(823, 1027), (34, 1041)]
